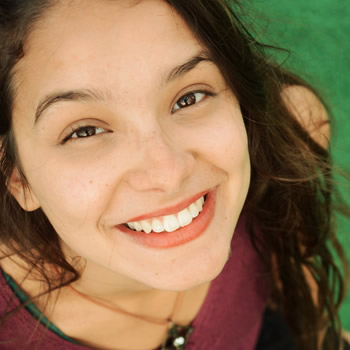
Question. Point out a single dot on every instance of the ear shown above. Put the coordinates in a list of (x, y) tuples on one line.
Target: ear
[(22, 192)]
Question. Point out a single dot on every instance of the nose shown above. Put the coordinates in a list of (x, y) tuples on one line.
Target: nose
[(163, 164)]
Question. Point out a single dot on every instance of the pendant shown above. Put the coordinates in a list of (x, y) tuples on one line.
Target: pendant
[(177, 337)]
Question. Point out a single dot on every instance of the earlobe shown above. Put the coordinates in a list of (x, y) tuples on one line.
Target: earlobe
[(22, 192)]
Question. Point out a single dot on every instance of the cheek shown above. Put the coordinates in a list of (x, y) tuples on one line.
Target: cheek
[(224, 144), (69, 198), (227, 151)]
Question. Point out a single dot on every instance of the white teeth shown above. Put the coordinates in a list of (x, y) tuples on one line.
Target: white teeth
[(146, 226), (200, 202), (137, 226), (184, 217), (131, 225), (157, 226), (169, 223), (193, 210)]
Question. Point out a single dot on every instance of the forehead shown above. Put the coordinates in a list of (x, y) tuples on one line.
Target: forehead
[(103, 42)]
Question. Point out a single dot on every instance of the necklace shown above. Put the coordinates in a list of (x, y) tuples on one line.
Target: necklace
[(177, 336)]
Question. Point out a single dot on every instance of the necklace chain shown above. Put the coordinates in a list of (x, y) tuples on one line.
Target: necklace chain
[(177, 336), (117, 309)]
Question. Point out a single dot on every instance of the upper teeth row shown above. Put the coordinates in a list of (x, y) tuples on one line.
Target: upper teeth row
[(169, 223)]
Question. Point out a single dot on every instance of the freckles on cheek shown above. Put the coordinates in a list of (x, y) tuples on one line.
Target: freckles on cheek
[(229, 147), (67, 195)]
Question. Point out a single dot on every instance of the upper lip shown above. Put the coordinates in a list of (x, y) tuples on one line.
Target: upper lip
[(169, 210)]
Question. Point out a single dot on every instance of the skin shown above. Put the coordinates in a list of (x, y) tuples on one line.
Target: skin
[(145, 157)]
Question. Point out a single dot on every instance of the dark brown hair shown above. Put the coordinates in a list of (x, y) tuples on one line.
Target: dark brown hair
[(291, 194)]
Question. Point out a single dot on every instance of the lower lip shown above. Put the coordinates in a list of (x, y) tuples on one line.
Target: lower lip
[(180, 236)]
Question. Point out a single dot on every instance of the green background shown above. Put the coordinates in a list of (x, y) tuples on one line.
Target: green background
[(316, 32)]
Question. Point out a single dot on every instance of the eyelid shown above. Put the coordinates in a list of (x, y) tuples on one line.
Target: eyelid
[(80, 124), (207, 92)]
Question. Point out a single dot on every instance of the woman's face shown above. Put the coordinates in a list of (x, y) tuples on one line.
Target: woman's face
[(117, 120)]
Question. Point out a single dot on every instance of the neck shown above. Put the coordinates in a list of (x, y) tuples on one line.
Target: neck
[(103, 283)]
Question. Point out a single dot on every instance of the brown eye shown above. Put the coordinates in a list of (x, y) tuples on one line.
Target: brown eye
[(189, 100), (84, 132)]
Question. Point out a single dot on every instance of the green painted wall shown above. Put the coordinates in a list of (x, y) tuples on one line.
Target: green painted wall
[(317, 34)]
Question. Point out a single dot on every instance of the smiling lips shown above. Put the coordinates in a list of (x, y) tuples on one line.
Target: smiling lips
[(169, 223), (187, 222)]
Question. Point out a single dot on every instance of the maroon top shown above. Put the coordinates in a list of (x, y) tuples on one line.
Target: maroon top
[(230, 317)]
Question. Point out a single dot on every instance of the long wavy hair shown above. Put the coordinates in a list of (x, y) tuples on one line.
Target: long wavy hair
[(291, 197)]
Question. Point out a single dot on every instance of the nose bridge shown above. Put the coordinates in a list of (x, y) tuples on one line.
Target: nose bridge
[(163, 164)]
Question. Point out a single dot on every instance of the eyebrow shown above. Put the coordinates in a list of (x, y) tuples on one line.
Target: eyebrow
[(186, 67), (71, 95), (98, 95)]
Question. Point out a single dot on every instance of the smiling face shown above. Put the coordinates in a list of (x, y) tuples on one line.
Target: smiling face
[(121, 117)]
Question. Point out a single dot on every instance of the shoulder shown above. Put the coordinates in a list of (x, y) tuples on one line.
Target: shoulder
[(309, 111)]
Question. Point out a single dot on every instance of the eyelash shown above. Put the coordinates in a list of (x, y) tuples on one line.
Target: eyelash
[(88, 128), (203, 92)]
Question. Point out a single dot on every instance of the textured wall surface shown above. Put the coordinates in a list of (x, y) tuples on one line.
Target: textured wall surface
[(317, 34)]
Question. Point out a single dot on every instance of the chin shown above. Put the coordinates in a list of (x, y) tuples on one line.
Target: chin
[(192, 276)]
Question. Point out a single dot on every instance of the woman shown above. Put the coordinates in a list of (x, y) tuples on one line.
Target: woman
[(163, 183)]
